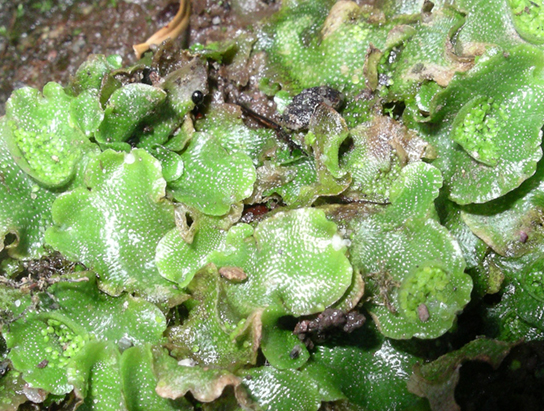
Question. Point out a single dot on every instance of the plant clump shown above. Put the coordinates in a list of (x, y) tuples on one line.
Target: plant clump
[(337, 207)]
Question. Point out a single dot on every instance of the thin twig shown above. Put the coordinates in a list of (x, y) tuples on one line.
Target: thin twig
[(172, 30), (280, 132)]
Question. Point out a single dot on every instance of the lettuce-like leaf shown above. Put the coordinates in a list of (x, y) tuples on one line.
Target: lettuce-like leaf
[(417, 280), (42, 347), (428, 55), (511, 225), (295, 260), (178, 258), (381, 148), (175, 380), (96, 377), (276, 390), (126, 107), (73, 315), (354, 372), (140, 381), (214, 335), (112, 224), (488, 136), (213, 179), (42, 136), (25, 209), (125, 318)]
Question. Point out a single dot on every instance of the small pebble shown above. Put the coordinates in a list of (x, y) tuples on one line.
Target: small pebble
[(423, 312), (234, 274), (43, 364), (295, 352)]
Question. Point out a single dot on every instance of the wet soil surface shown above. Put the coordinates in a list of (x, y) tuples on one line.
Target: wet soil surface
[(47, 40)]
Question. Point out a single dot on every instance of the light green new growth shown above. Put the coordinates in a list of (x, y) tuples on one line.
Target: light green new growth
[(529, 19), (71, 343), (476, 129), (42, 136), (427, 285)]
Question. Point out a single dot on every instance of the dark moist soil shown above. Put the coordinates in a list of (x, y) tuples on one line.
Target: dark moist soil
[(47, 40), (518, 384)]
